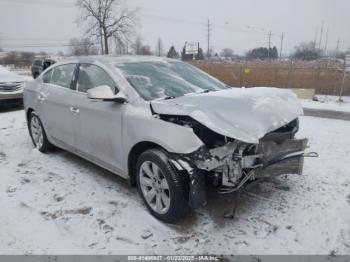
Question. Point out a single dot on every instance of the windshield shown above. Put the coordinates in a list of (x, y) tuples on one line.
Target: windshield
[(154, 80)]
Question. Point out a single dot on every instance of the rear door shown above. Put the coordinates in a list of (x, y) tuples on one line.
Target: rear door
[(55, 99), (99, 123)]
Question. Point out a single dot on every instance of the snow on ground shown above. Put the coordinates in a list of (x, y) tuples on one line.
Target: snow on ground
[(327, 103), (57, 203)]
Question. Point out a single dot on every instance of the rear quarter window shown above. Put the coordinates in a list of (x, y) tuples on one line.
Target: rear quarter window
[(47, 77)]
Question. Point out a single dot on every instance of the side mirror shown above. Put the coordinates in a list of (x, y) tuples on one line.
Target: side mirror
[(105, 93)]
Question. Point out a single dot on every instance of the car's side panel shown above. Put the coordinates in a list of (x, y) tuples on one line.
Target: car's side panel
[(55, 113), (98, 127), (140, 125)]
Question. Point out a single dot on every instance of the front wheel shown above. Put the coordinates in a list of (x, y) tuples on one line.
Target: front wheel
[(163, 189), (38, 134)]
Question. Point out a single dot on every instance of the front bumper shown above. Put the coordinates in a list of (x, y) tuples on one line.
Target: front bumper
[(236, 159), (11, 95), (236, 163)]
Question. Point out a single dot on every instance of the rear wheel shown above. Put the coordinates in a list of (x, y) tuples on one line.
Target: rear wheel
[(38, 134), (162, 188)]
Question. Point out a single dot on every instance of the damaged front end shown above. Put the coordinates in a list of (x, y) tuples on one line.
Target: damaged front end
[(231, 163)]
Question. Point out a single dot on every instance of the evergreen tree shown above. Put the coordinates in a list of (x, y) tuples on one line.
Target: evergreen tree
[(172, 53), (200, 55), (262, 53)]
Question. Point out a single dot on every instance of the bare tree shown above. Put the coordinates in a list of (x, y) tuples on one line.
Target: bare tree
[(159, 47), (146, 50), (307, 51), (106, 20), (137, 45), (227, 53), (79, 47), (121, 47)]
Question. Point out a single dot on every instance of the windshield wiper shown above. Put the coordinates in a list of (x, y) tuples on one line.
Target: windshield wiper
[(205, 91), (168, 97)]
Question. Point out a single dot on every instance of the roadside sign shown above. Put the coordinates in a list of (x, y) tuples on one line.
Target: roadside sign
[(191, 48), (247, 71)]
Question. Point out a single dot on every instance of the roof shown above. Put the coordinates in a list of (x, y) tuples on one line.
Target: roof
[(118, 59)]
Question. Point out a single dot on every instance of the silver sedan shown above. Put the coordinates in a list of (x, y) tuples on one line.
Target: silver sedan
[(166, 126), (11, 87)]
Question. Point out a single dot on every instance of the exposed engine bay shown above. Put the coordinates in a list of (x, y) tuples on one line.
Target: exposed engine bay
[(230, 163)]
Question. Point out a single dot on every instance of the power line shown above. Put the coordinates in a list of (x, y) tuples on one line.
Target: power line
[(44, 45), (156, 17), (147, 15), (41, 2), (171, 19)]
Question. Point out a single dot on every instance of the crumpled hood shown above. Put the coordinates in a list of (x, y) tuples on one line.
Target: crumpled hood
[(246, 114)]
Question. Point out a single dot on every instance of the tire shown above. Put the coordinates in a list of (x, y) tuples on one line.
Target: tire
[(170, 200), (38, 134)]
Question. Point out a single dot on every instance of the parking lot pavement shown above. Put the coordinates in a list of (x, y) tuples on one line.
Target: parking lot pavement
[(58, 203)]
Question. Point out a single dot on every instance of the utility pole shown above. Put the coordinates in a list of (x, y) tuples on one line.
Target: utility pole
[(319, 44), (326, 43), (208, 37), (316, 35), (337, 48), (268, 50), (281, 47)]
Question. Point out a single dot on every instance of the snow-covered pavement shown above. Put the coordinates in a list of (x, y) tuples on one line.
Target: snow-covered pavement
[(60, 204), (327, 103)]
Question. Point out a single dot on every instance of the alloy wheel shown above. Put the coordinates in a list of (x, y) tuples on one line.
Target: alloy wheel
[(154, 187), (37, 131)]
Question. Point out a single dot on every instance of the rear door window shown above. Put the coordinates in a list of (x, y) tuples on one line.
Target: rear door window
[(62, 75)]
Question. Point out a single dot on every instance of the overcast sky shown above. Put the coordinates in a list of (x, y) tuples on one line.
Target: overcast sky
[(240, 25)]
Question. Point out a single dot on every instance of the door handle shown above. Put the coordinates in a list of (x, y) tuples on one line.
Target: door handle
[(74, 110), (41, 98)]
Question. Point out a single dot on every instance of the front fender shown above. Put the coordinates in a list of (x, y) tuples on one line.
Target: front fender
[(140, 125)]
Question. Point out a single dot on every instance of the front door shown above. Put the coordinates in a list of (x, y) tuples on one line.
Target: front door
[(99, 124)]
